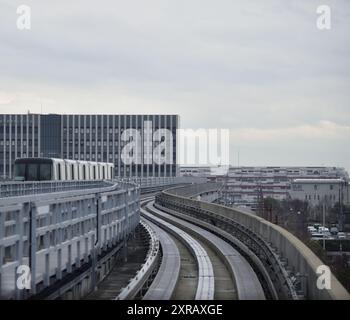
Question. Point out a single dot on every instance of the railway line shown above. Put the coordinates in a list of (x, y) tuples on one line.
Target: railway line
[(183, 262), (232, 275)]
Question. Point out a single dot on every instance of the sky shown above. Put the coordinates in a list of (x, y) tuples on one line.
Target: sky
[(261, 69)]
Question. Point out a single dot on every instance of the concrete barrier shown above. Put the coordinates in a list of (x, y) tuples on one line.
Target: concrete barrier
[(299, 258)]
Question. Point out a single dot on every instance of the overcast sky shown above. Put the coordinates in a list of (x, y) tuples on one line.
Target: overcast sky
[(260, 68)]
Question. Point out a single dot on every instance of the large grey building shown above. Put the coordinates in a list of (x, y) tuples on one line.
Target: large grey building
[(138, 145), (244, 185)]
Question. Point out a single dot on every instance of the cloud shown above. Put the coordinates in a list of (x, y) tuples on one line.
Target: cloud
[(261, 69), (320, 132), (6, 98)]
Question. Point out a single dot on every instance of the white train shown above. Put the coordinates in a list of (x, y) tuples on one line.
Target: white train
[(44, 169)]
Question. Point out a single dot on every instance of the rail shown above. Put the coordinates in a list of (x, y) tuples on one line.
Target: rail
[(16, 189), (246, 281), (167, 276), (205, 286), (136, 283)]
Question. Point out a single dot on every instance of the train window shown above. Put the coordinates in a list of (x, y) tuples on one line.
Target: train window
[(84, 174), (103, 173), (32, 172), (59, 171), (72, 168), (20, 171), (111, 173), (45, 172), (94, 173)]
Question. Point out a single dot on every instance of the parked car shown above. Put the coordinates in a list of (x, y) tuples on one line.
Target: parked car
[(341, 235), (327, 235), (311, 229), (334, 231), (323, 229), (316, 236)]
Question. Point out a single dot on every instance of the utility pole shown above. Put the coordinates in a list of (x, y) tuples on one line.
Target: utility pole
[(324, 223), (226, 189), (340, 219), (261, 202)]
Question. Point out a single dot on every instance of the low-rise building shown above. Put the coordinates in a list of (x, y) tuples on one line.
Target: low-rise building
[(320, 191), (245, 185)]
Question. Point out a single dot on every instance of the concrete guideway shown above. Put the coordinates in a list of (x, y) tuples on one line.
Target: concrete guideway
[(205, 285), (164, 283), (244, 280)]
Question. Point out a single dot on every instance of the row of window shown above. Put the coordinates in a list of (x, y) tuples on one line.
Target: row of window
[(330, 187), (110, 130), (13, 119), (317, 197), (19, 142)]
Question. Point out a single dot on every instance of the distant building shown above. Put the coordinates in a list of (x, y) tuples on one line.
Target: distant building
[(195, 171), (244, 185), (102, 138), (320, 191)]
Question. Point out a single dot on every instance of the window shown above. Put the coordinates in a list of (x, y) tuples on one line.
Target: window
[(45, 172), (20, 171), (32, 172), (72, 170), (59, 171), (84, 174)]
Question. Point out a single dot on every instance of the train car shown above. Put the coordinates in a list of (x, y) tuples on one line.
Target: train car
[(51, 169)]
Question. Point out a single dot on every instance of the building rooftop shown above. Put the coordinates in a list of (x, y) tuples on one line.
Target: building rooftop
[(318, 180)]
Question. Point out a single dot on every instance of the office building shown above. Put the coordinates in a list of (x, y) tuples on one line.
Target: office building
[(138, 145)]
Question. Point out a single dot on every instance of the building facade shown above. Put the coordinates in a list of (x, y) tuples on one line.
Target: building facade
[(320, 191), (245, 185), (138, 145)]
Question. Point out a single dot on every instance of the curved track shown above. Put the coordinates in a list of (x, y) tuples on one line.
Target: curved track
[(205, 272), (166, 279), (231, 278)]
